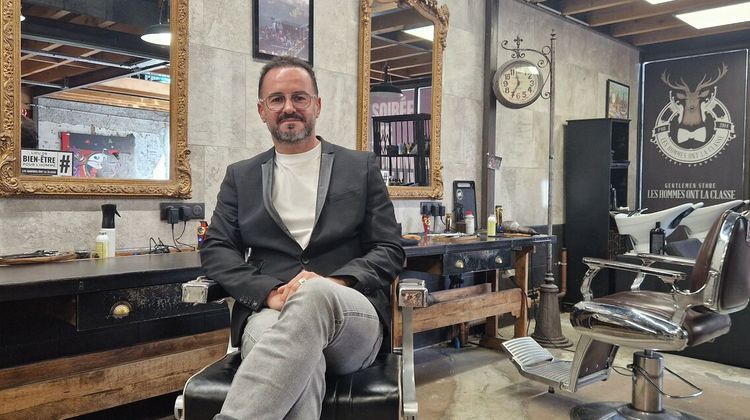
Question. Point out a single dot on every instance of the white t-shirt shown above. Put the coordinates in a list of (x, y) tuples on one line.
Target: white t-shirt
[(295, 191)]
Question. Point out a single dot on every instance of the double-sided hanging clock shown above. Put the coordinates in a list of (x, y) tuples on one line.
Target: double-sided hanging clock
[(517, 83)]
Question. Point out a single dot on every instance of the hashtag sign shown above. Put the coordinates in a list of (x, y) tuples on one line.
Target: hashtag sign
[(64, 163)]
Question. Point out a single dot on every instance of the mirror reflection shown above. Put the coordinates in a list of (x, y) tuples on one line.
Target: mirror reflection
[(93, 92), (402, 43)]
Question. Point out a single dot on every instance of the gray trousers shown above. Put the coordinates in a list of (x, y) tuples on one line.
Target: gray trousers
[(323, 327)]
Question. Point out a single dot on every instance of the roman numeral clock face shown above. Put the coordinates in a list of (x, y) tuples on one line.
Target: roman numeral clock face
[(517, 83)]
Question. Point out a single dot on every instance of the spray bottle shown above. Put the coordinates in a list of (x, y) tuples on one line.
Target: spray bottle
[(108, 226)]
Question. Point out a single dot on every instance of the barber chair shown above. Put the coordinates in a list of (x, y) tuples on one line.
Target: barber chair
[(699, 221), (718, 285), (638, 225), (385, 390)]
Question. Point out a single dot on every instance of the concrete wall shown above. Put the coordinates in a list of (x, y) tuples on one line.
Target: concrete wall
[(224, 126)]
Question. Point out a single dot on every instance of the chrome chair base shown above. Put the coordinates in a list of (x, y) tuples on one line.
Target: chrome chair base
[(623, 411)]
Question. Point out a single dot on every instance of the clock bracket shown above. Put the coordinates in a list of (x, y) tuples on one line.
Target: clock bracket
[(544, 59)]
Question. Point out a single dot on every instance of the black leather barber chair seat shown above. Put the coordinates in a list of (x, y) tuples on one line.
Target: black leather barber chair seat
[(385, 390), (695, 311)]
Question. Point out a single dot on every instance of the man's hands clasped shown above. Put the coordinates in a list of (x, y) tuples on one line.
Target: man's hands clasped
[(278, 297)]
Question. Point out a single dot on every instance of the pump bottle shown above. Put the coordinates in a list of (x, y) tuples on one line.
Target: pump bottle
[(108, 227)]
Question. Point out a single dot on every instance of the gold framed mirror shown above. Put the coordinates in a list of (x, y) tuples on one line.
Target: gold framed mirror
[(401, 45), (56, 69)]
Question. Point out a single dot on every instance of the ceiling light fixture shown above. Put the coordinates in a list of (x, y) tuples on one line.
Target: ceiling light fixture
[(159, 34), (386, 90), (425, 32), (719, 16), (658, 1)]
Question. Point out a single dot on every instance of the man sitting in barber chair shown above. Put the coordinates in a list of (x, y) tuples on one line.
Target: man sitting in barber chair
[(312, 295)]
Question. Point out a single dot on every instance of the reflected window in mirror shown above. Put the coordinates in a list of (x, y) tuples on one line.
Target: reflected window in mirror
[(106, 106), (401, 48)]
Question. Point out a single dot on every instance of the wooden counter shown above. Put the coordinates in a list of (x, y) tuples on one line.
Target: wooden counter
[(485, 300), (85, 335)]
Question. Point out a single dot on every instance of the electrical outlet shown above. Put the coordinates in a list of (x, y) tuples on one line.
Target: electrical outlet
[(427, 205), (187, 211)]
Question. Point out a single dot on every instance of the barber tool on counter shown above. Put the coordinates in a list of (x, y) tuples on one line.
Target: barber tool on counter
[(39, 256), (510, 226), (108, 228), (450, 223)]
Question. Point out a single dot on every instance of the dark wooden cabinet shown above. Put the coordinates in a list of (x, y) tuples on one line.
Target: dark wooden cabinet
[(595, 180)]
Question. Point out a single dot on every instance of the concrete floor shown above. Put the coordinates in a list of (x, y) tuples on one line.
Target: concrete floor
[(477, 383)]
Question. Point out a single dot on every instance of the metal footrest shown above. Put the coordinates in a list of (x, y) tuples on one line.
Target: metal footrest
[(536, 363)]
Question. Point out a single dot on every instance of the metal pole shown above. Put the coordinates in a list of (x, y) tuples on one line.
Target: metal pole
[(548, 331), (551, 177), (489, 117)]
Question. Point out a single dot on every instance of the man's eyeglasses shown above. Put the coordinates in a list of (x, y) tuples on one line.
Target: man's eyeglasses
[(276, 102)]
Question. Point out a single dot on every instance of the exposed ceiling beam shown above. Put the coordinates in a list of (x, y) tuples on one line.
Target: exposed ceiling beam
[(57, 71), (101, 39), (139, 13), (641, 26), (684, 33), (403, 19), (404, 63), (642, 10), (572, 7), (398, 51)]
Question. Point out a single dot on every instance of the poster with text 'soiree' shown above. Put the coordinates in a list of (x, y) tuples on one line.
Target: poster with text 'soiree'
[(693, 130)]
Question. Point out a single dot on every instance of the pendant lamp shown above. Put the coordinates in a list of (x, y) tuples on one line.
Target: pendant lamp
[(386, 90), (160, 33)]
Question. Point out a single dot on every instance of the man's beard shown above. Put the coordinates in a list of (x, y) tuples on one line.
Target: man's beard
[(290, 136)]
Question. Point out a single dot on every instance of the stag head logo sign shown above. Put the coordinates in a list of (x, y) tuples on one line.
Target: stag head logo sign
[(694, 126)]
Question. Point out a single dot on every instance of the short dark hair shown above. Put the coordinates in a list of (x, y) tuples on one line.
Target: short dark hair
[(287, 61)]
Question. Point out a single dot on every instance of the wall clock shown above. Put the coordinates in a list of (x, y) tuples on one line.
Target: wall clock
[(517, 83)]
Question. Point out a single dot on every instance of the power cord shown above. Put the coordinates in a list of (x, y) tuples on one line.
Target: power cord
[(158, 247), (177, 240)]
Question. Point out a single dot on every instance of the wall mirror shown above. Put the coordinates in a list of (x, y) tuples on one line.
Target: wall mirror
[(87, 106), (400, 77)]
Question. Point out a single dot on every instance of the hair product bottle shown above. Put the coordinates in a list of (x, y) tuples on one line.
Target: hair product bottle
[(469, 219), (657, 240), (102, 245), (491, 225)]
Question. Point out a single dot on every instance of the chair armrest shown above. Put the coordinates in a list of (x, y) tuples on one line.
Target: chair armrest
[(668, 259), (667, 276), (202, 290), (596, 264), (412, 293)]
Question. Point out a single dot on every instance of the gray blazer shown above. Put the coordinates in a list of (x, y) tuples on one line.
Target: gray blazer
[(355, 234)]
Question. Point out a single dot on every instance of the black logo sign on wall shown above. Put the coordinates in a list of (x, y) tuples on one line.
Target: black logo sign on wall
[(693, 115)]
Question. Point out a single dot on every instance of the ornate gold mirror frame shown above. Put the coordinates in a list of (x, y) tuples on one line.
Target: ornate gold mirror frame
[(439, 17), (13, 183)]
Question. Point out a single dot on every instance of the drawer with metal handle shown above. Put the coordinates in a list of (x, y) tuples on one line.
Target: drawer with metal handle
[(126, 306), (470, 261)]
